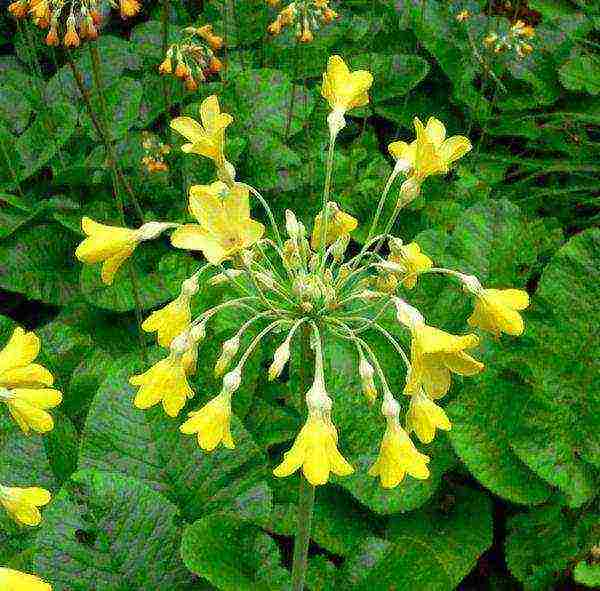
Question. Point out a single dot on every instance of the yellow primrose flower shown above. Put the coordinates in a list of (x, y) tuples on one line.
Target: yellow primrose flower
[(315, 450), (170, 320), (431, 153), (425, 416), (164, 382), (109, 245), (434, 354), (28, 407), (225, 227), (397, 456), (496, 310), (14, 580), (339, 223), (16, 367), (206, 139), (412, 259), (22, 503), (212, 423), (345, 90)]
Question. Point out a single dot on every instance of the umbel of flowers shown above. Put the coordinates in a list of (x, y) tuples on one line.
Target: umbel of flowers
[(297, 284), (192, 57), (26, 392), (69, 21), (303, 16)]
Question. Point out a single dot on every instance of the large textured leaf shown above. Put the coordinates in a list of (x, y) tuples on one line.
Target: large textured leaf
[(431, 549), (233, 554), (557, 434), (108, 531), (581, 73)]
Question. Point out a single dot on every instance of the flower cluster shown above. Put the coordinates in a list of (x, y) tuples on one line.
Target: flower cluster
[(192, 57), (154, 153), (69, 20), (305, 16), (303, 286), (517, 37)]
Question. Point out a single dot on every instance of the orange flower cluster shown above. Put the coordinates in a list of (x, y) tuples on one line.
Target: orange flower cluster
[(155, 151), (192, 58), (71, 21), (306, 16)]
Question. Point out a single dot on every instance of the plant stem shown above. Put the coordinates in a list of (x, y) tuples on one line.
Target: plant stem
[(165, 47), (306, 492), (326, 192)]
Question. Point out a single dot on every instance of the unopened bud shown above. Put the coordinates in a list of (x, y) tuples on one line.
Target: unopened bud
[(280, 358), (366, 371), (390, 407), (232, 381), (406, 314), (471, 283), (190, 286), (291, 224), (370, 295), (180, 344), (226, 276), (198, 332), (152, 230), (409, 191), (228, 352)]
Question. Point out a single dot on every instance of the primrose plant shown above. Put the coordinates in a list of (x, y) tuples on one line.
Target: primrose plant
[(301, 285)]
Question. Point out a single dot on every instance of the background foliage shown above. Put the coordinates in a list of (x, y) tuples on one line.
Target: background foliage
[(513, 497)]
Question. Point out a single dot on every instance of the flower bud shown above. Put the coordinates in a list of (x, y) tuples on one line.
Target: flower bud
[(406, 314), (291, 224), (409, 191), (198, 332), (151, 230), (280, 358), (228, 352), (232, 381), (338, 249), (225, 277), (180, 344), (471, 283), (190, 286), (390, 407), (366, 371)]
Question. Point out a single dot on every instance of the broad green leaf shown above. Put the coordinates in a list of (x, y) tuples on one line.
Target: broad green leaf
[(109, 531), (233, 554), (148, 445), (581, 73), (558, 423), (433, 548), (38, 262), (587, 574)]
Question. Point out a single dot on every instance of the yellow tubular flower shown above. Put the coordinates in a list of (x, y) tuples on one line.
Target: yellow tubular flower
[(397, 456), (496, 311), (413, 260), (434, 354), (22, 503), (339, 224), (315, 450), (14, 580), (164, 382), (206, 139), (212, 423), (431, 153), (16, 367), (170, 320), (109, 245), (28, 407), (425, 416), (345, 90), (225, 226)]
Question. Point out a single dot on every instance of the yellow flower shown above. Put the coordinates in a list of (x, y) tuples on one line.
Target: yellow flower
[(170, 320), (28, 407), (14, 580), (212, 423), (225, 226), (16, 367), (315, 450), (434, 354), (109, 245), (345, 90), (413, 261), (339, 224), (496, 310), (206, 139), (22, 503), (164, 382), (431, 153), (397, 456), (425, 416)]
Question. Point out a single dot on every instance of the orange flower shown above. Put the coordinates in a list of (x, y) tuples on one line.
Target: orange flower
[(129, 8), (52, 36), (19, 9)]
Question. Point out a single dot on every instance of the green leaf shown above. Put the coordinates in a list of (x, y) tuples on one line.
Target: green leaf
[(38, 262), (148, 445), (109, 531), (558, 424), (482, 421), (394, 75), (233, 554), (587, 574), (581, 73), (433, 548)]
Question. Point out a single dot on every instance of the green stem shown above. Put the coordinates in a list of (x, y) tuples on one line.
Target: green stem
[(165, 47), (326, 192), (306, 492)]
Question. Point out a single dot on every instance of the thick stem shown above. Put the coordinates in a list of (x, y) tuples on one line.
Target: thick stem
[(306, 492)]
